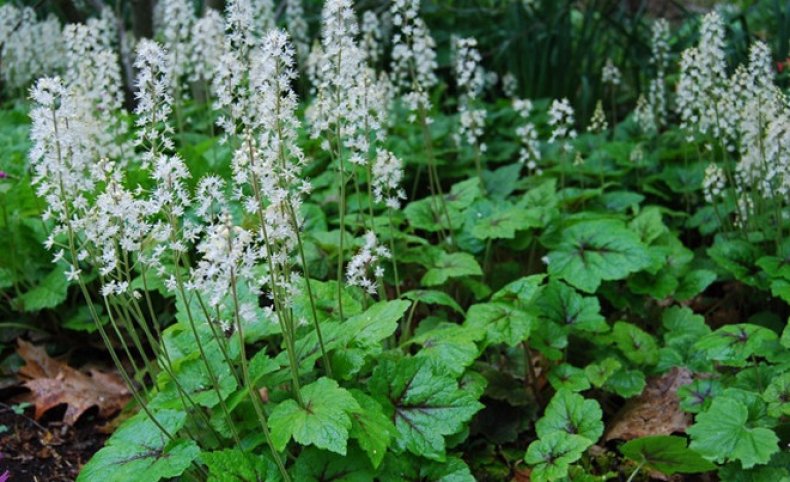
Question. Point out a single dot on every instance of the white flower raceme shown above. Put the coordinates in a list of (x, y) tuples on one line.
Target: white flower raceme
[(598, 121), (561, 120), (154, 101), (372, 36), (30, 48), (179, 20), (745, 210), (713, 183), (93, 74), (64, 171), (509, 85), (117, 224), (365, 262), (228, 255), (529, 154), (644, 115), (208, 45), (702, 86), (263, 15), (387, 176), (338, 106), (470, 79), (169, 197), (298, 29), (659, 58), (611, 74), (413, 55), (469, 75)]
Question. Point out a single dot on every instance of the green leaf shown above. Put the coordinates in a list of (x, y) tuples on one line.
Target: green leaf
[(565, 306), (595, 251), (598, 373), (649, 225), (693, 283), (777, 396), (697, 395), (637, 345), (425, 403), (372, 429), (450, 345), (429, 215), (49, 293), (501, 322), (551, 456), (626, 383), (738, 256), (721, 433), (377, 322), (463, 194), (667, 454), (521, 292), (315, 465), (138, 450), (405, 467), (503, 224), (433, 297), (233, 465), (568, 377), (571, 413), (454, 265), (324, 421), (733, 344)]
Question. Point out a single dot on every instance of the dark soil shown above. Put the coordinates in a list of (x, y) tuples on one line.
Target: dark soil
[(46, 451)]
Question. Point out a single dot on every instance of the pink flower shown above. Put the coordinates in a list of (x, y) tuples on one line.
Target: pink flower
[(5, 476)]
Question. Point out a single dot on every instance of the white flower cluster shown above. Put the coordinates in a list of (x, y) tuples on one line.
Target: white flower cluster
[(610, 74), (387, 176), (352, 103), (372, 36), (659, 58), (413, 55), (365, 262), (298, 28), (702, 86), (30, 48), (561, 120), (509, 85), (93, 75), (598, 121), (470, 79), (179, 20), (263, 15), (644, 116), (529, 154), (713, 183), (207, 48)]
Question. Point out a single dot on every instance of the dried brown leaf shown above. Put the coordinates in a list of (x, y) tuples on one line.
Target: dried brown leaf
[(655, 412), (53, 382)]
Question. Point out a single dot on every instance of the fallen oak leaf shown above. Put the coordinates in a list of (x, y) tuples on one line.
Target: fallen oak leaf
[(53, 383), (655, 412)]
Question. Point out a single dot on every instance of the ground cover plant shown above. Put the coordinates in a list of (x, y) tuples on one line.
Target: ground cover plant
[(377, 241)]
